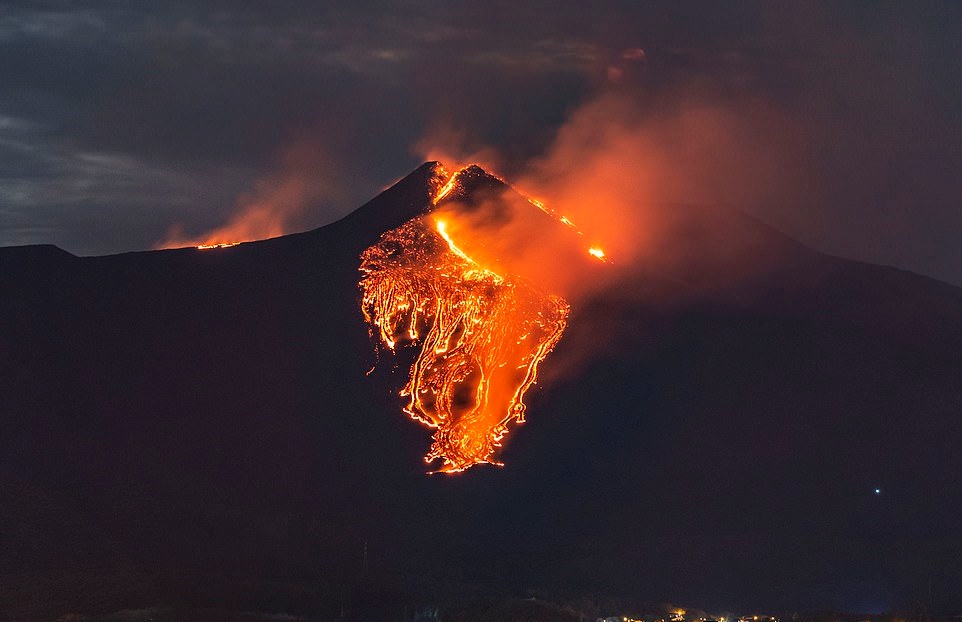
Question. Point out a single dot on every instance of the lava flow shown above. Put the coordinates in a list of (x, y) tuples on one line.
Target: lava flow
[(479, 334), (207, 247)]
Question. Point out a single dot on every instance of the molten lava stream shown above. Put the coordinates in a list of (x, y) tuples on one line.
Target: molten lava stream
[(479, 335)]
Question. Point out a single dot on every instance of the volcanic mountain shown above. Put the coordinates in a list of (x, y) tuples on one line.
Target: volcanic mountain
[(199, 428)]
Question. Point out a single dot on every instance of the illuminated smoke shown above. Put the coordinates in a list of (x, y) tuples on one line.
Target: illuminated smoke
[(638, 177), (456, 147), (276, 206)]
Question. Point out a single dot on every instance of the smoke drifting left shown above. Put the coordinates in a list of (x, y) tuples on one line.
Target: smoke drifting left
[(279, 203)]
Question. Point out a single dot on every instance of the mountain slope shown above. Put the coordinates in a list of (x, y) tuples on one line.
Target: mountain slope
[(198, 427)]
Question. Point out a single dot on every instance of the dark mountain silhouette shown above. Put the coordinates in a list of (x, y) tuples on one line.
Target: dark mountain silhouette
[(195, 428)]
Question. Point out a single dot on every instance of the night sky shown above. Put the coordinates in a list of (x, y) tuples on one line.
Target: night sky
[(122, 123)]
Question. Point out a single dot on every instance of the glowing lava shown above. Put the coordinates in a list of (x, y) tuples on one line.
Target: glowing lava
[(478, 336), (207, 247)]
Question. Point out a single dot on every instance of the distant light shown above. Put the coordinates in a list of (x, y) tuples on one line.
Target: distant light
[(878, 491), (597, 252)]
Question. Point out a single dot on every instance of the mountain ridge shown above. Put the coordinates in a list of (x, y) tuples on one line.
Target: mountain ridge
[(207, 413)]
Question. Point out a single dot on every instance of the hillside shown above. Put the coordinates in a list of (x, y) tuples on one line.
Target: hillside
[(197, 427)]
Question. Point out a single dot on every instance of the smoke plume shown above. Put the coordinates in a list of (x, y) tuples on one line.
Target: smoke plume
[(278, 204), (659, 189)]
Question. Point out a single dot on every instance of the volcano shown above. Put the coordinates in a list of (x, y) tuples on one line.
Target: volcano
[(199, 428)]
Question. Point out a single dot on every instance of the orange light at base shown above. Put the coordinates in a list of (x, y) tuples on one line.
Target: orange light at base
[(479, 336), (207, 247)]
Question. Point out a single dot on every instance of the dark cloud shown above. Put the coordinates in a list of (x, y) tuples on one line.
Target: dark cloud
[(132, 117)]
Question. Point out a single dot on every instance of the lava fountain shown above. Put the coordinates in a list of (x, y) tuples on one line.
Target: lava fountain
[(478, 330)]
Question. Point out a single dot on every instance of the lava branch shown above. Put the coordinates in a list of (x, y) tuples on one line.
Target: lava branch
[(480, 337), (445, 183)]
